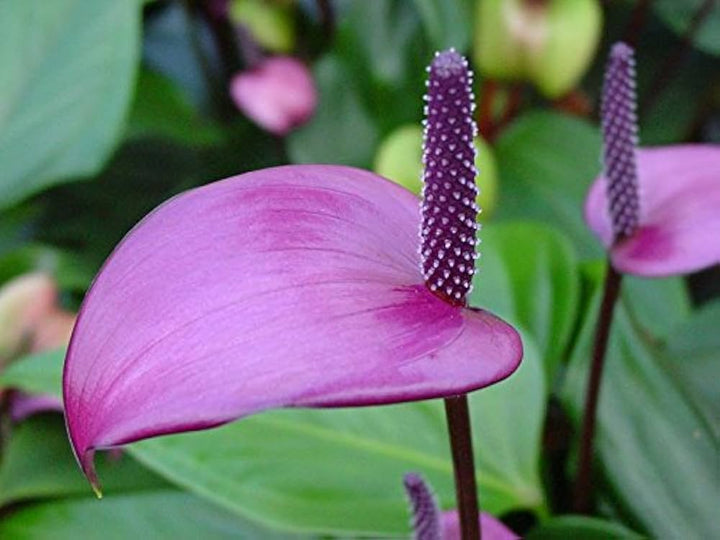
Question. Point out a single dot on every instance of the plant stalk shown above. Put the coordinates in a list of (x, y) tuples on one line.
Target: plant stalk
[(584, 481), (458, 419)]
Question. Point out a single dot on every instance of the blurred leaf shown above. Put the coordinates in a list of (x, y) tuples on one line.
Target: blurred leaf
[(38, 463), (448, 23), (159, 109), (90, 219), (341, 131), (156, 515), (694, 348), (581, 528), (384, 48), (679, 14), (528, 275), (39, 373), (69, 272), (68, 71), (657, 452), (655, 306), (341, 470), (547, 162)]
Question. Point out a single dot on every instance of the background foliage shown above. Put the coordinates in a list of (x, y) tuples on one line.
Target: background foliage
[(108, 108)]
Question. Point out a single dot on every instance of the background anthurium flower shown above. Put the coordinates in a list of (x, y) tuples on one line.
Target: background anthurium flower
[(291, 286), (429, 523), (679, 222), (655, 209), (278, 94)]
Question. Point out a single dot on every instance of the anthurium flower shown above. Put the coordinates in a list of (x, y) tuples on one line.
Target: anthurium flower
[(655, 209), (287, 287), (278, 94), (429, 523)]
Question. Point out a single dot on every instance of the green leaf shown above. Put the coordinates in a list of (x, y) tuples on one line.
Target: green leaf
[(679, 14), (68, 72), (547, 162), (694, 349), (340, 471), (580, 527), (341, 131), (656, 451), (448, 24), (528, 274), (39, 373), (38, 463), (655, 306), (383, 45), (160, 109), (158, 515)]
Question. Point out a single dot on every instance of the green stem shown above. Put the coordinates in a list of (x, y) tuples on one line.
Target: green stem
[(458, 419)]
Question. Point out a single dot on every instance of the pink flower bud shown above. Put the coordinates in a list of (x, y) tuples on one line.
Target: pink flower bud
[(24, 302), (278, 95), (53, 331)]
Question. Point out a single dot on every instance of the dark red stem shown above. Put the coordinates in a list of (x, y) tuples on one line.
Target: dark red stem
[(637, 22), (584, 480), (458, 419), (485, 110)]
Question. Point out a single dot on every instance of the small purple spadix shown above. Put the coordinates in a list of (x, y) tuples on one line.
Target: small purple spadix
[(619, 126), (296, 286), (426, 521), (655, 209), (449, 211), (429, 523)]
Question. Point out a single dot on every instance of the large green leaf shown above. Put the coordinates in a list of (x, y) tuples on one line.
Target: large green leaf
[(679, 14), (341, 470), (528, 274), (547, 162), (38, 463), (39, 373), (156, 515), (694, 349), (67, 75), (581, 528), (657, 452)]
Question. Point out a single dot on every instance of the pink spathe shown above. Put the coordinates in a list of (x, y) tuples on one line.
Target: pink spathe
[(291, 286), (679, 228), (492, 528), (278, 95)]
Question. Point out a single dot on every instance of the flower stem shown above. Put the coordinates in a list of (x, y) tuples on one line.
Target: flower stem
[(583, 482), (458, 419)]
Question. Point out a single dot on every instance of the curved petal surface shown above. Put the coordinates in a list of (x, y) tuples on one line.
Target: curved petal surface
[(492, 528), (292, 286), (679, 222)]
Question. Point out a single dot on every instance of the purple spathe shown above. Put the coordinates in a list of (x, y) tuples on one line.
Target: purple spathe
[(679, 225), (291, 286)]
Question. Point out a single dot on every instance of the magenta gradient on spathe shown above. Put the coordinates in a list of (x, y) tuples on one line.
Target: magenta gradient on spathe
[(285, 287)]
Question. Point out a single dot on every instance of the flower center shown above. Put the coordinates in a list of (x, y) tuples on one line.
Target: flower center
[(619, 125), (449, 212)]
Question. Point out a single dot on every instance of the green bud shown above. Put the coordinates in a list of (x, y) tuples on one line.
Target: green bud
[(399, 159), (549, 42), (270, 23)]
